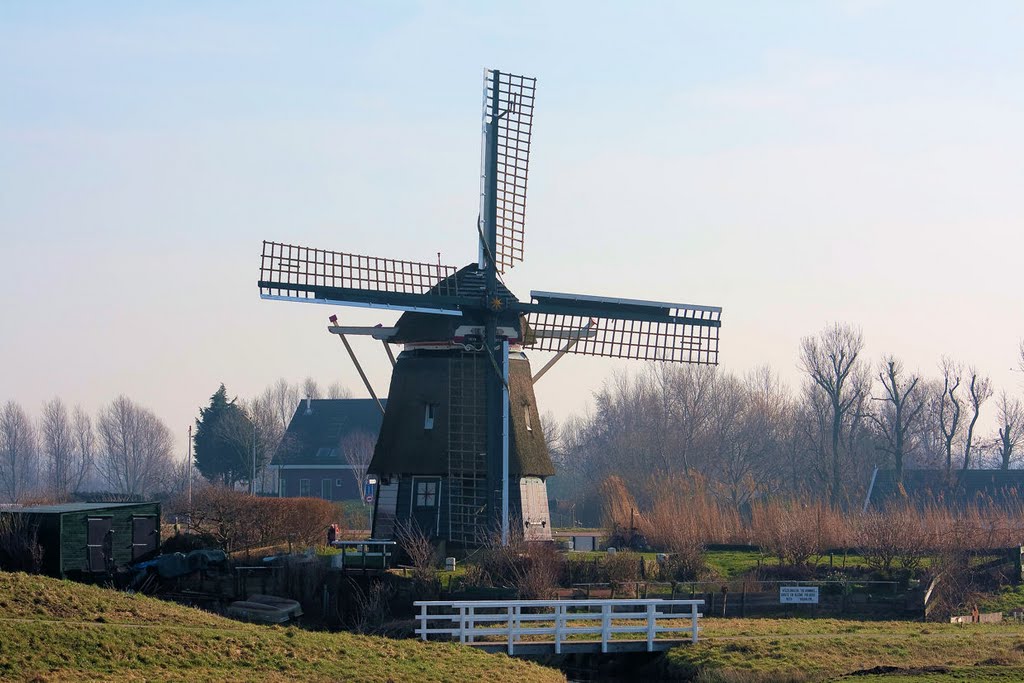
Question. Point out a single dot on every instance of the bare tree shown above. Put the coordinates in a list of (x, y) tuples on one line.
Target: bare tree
[(979, 390), (687, 395), (338, 390), (357, 449), (280, 400), (903, 407), (949, 409), (85, 443), (1011, 421), (136, 457), (310, 389), (832, 361), (66, 466), (18, 452)]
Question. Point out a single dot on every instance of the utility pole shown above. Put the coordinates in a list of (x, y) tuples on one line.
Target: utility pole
[(190, 474), (252, 480)]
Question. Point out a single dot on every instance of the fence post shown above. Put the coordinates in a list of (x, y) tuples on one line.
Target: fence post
[(509, 624), (423, 619), (462, 623), (651, 620), (472, 622), (606, 622), (559, 622), (693, 622)]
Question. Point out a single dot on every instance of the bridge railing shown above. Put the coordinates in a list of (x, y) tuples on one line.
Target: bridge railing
[(508, 621)]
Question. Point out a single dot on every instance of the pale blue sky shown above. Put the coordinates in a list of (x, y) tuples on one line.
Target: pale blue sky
[(793, 162)]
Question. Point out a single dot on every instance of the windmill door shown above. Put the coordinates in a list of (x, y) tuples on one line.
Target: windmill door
[(143, 536), (426, 495)]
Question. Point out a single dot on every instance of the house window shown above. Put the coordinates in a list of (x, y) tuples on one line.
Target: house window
[(428, 416), (282, 488), (304, 488), (426, 494), (526, 412), (325, 489), (326, 453), (339, 482)]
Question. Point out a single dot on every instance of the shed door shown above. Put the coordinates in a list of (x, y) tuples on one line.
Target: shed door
[(143, 536), (99, 544)]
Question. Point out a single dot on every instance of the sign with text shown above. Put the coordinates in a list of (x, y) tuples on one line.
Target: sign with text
[(807, 595)]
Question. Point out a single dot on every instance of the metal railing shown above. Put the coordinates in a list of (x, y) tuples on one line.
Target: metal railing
[(560, 620), (371, 554)]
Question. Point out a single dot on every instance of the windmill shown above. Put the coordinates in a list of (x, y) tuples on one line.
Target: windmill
[(461, 450)]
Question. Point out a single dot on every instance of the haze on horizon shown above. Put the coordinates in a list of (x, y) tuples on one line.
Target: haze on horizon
[(857, 161)]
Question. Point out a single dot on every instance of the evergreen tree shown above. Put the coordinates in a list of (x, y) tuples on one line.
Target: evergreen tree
[(224, 441)]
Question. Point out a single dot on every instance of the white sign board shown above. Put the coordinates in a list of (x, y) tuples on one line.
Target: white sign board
[(798, 594)]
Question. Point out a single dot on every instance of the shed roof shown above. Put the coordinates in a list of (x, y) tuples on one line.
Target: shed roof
[(68, 507), (319, 426)]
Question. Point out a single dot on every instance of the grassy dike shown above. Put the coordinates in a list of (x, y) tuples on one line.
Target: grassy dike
[(54, 630), (796, 650)]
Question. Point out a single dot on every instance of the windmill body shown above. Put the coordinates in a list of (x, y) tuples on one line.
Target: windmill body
[(461, 451), (431, 455)]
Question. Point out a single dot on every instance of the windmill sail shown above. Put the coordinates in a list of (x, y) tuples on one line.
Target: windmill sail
[(292, 273), (508, 105), (624, 328)]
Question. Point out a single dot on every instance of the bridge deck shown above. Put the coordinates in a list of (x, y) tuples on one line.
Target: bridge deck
[(579, 646)]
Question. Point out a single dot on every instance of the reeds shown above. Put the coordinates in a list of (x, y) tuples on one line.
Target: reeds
[(684, 517)]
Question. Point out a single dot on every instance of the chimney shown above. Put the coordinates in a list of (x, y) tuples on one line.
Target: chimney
[(309, 406)]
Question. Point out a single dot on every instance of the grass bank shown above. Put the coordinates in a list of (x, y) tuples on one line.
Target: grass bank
[(765, 650), (61, 631)]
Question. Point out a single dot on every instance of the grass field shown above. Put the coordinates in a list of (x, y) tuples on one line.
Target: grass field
[(61, 631), (765, 650), (731, 564)]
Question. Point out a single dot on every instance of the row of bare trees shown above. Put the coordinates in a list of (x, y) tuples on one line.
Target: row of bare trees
[(751, 436), (128, 451)]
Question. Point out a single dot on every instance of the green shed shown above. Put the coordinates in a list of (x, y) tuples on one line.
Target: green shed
[(93, 538)]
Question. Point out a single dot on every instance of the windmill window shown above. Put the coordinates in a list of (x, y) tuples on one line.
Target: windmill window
[(526, 412), (426, 494), (428, 416)]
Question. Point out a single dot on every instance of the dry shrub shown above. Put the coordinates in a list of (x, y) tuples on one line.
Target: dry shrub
[(422, 555), (623, 567), (239, 521), (622, 519), (891, 539), (533, 569), (682, 520), (303, 521), (20, 550), (794, 532), (371, 607)]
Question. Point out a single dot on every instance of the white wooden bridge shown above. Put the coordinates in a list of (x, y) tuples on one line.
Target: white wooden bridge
[(531, 627)]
